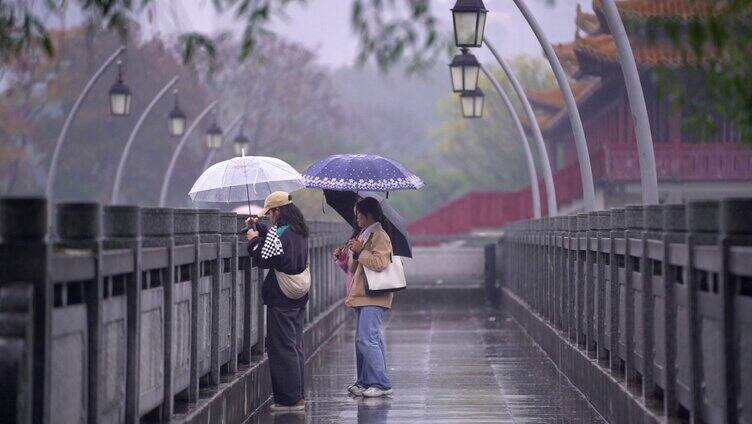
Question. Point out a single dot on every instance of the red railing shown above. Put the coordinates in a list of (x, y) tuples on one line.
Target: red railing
[(685, 162)]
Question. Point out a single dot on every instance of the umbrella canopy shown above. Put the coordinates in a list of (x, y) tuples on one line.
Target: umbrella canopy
[(343, 203), (246, 178), (361, 173)]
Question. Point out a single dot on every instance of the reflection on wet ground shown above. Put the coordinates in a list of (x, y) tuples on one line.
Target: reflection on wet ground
[(448, 364)]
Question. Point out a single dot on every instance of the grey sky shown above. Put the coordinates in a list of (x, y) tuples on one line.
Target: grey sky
[(324, 25)]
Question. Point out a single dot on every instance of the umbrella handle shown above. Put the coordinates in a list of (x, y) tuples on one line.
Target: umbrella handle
[(247, 192)]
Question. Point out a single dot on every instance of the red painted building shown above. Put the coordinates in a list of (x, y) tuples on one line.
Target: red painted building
[(689, 165)]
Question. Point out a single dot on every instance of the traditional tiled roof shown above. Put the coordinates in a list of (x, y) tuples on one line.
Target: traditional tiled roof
[(553, 100), (549, 104), (602, 48), (589, 23), (568, 58), (593, 51), (646, 9)]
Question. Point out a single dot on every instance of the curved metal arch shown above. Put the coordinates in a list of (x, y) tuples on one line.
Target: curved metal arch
[(534, 190)]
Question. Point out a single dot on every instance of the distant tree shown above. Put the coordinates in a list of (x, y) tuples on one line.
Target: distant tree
[(716, 45), (289, 107), (387, 30), (489, 151), (39, 93), (476, 154)]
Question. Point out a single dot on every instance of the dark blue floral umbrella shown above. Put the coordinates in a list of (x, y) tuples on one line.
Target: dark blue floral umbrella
[(360, 173)]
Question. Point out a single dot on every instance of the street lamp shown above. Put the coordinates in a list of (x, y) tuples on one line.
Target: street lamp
[(464, 70), (471, 103), (241, 143), (469, 19), (176, 118), (120, 95), (214, 133)]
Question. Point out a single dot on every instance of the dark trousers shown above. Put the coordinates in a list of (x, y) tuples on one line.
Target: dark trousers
[(284, 345)]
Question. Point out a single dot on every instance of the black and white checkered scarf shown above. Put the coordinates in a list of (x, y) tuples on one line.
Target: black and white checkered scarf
[(272, 245)]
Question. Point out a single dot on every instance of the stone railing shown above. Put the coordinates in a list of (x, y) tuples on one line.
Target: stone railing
[(136, 313), (648, 310)]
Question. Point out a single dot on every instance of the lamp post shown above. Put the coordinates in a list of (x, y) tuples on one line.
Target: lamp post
[(648, 172), (240, 144), (178, 149), (469, 20), (212, 152), (464, 71), (126, 151), (548, 178), (72, 114), (120, 95), (467, 30), (471, 103), (214, 136), (532, 172), (583, 156), (176, 118)]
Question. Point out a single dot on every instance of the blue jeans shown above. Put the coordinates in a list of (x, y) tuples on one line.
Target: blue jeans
[(370, 354)]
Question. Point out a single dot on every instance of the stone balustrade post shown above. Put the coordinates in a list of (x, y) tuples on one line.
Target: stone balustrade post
[(122, 230), (652, 223), (24, 268), (617, 261), (228, 229), (208, 227), (185, 233), (674, 232), (736, 230), (571, 276), (79, 229), (702, 230), (633, 219), (602, 280), (157, 228)]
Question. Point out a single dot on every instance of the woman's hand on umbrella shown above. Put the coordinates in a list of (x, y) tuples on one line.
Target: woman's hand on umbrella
[(250, 221), (355, 245), (251, 234)]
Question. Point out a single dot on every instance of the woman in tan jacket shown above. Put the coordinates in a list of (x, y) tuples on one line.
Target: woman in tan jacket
[(371, 249)]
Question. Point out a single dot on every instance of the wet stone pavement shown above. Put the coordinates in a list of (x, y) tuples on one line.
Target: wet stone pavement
[(448, 364)]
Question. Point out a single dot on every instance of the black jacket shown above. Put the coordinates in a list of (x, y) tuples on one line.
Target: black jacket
[(293, 261)]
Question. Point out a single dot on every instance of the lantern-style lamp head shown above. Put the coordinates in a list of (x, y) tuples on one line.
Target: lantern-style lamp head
[(471, 103), (240, 144), (464, 70), (120, 95), (214, 134), (176, 119), (469, 18)]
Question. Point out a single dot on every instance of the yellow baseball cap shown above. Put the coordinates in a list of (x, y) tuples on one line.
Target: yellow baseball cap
[(275, 200)]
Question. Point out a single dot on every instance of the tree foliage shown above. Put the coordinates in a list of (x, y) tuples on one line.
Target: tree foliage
[(289, 106), (715, 79), (388, 30)]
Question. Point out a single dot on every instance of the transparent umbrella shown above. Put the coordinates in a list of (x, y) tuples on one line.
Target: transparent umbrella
[(245, 178)]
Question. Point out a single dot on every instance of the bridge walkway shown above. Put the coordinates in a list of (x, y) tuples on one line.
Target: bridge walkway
[(450, 362)]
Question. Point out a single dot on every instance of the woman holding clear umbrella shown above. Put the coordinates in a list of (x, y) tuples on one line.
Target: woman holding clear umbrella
[(283, 250)]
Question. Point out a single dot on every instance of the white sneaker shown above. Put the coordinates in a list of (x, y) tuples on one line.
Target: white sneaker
[(376, 392), (276, 408), (356, 389)]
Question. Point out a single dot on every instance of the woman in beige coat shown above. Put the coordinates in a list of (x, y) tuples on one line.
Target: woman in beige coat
[(371, 249)]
